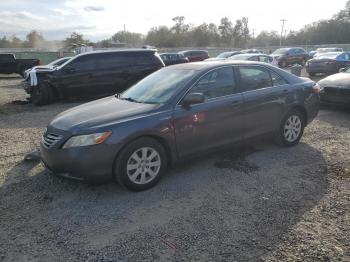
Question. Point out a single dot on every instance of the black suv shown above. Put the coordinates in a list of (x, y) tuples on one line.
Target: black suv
[(93, 74), (290, 56)]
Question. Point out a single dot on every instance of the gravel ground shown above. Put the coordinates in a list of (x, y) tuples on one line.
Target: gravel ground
[(256, 202)]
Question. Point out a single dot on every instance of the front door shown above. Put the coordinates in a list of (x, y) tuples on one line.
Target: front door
[(77, 77), (216, 121)]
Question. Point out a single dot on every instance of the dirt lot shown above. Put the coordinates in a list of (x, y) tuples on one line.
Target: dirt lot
[(259, 202)]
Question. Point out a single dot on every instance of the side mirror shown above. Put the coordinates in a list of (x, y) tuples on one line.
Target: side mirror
[(69, 69), (193, 98)]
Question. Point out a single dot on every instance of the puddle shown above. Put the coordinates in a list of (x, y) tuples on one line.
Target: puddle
[(235, 159)]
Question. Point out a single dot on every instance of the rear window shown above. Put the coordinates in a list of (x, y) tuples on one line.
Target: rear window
[(7, 57)]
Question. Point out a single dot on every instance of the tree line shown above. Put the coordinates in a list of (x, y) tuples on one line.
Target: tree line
[(235, 34)]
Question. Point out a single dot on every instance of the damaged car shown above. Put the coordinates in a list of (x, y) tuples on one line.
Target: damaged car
[(92, 75)]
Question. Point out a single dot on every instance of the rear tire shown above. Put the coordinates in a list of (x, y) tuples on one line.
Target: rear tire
[(291, 129), (141, 164), (42, 94)]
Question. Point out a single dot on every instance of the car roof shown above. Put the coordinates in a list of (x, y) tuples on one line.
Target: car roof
[(250, 54), (204, 65), (131, 50), (194, 50), (168, 53), (208, 65)]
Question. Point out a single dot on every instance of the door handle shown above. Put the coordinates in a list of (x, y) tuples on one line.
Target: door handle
[(285, 91)]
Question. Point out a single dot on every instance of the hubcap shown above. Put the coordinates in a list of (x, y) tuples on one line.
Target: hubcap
[(292, 128), (143, 165)]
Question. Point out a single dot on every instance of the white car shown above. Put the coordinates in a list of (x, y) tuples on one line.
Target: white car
[(256, 57)]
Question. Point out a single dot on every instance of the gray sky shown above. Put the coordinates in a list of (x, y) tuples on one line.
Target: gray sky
[(99, 19)]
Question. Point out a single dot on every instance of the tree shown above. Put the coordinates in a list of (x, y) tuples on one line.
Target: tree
[(75, 39), (226, 30), (4, 42), (34, 39), (180, 27), (129, 38)]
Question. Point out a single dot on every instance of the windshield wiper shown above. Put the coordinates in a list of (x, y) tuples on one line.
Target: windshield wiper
[(128, 99)]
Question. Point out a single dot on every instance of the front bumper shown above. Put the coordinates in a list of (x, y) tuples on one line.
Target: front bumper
[(335, 96), (27, 87), (322, 68), (88, 163)]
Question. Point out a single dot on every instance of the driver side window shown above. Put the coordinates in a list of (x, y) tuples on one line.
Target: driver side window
[(219, 82)]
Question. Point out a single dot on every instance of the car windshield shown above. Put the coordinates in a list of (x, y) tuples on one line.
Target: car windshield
[(158, 87), (280, 51), (224, 55), (59, 61)]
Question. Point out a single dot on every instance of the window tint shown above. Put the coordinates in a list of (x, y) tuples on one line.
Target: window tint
[(253, 78), (277, 80), (106, 61), (219, 82), (86, 62)]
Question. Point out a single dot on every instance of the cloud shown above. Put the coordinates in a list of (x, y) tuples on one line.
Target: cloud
[(94, 8), (23, 15)]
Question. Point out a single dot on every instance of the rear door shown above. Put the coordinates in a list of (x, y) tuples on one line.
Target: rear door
[(215, 122), (265, 94)]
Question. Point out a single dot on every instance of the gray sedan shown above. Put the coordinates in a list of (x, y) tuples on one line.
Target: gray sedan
[(175, 113)]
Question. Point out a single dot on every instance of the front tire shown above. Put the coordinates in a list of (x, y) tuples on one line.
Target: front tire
[(41, 95), (291, 128), (141, 164)]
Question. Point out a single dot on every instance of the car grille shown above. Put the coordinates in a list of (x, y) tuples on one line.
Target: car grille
[(49, 139)]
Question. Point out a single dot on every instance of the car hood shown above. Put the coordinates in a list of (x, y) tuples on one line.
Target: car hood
[(340, 80), (99, 113)]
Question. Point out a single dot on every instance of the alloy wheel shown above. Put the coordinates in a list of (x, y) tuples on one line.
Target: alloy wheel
[(292, 128), (143, 165)]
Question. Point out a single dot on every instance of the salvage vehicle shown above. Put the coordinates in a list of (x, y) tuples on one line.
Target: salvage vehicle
[(256, 57), (328, 63), (173, 58), (93, 74), (9, 64), (53, 64), (195, 55), (177, 112), (335, 89), (291, 55)]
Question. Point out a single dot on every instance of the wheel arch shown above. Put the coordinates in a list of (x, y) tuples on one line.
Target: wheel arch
[(160, 140), (303, 111)]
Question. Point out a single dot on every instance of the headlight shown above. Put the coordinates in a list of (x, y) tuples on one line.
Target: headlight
[(87, 140)]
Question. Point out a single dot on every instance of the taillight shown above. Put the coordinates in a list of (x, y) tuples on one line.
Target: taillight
[(39, 62)]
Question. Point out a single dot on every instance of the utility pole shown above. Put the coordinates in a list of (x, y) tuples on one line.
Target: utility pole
[(125, 35), (283, 21), (253, 32)]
